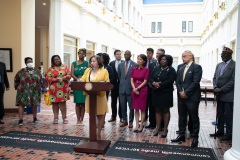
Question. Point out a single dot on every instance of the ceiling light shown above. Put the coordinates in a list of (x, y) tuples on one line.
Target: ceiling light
[(44, 4)]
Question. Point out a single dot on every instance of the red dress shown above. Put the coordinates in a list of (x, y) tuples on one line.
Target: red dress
[(59, 91), (139, 75)]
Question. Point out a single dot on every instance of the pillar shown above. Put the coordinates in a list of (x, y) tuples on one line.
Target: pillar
[(55, 30), (234, 152)]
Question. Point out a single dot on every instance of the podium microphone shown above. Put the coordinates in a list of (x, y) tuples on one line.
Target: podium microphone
[(92, 68)]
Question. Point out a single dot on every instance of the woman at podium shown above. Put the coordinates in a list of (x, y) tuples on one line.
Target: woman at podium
[(96, 73)]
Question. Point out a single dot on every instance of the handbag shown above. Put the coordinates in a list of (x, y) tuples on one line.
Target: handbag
[(47, 98)]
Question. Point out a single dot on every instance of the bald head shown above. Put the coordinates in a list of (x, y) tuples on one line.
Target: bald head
[(127, 55), (187, 57)]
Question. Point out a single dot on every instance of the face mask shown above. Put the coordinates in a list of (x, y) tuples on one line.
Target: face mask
[(30, 65)]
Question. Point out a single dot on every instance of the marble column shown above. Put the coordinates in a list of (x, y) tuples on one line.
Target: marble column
[(83, 43), (55, 30), (118, 6), (234, 152)]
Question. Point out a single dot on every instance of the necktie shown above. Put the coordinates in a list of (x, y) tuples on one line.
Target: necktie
[(126, 67), (117, 65), (149, 62), (185, 71), (223, 67)]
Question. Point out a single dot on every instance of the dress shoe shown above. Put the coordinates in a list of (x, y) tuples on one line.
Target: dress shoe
[(194, 142), (191, 135), (217, 134), (121, 120), (151, 126), (226, 138), (164, 135), (1, 121), (130, 125), (112, 120), (179, 139), (123, 124)]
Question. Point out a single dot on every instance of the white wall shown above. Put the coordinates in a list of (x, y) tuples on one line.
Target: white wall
[(98, 28), (172, 39), (221, 33)]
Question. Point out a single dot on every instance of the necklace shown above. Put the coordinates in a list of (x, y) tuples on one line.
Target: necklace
[(164, 68)]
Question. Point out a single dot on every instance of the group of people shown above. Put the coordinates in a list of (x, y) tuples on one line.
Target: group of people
[(145, 88)]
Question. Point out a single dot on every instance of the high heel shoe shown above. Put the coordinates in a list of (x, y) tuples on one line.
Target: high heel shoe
[(135, 130), (140, 130), (155, 133), (164, 135)]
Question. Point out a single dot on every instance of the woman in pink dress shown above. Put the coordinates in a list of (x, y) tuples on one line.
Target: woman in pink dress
[(139, 77)]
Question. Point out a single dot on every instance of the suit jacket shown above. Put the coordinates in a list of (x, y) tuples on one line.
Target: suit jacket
[(125, 84), (191, 83), (153, 65), (110, 72), (115, 74), (225, 81), (153, 61), (4, 77)]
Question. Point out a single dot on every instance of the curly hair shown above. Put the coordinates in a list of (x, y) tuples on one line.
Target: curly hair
[(52, 59), (26, 59), (83, 50), (168, 57)]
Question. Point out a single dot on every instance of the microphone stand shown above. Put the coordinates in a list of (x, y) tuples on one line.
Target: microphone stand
[(92, 68)]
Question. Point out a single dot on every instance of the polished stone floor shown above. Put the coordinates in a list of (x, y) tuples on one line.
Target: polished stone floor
[(111, 131)]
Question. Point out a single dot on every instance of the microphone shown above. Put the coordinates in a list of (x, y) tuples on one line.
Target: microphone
[(92, 68)]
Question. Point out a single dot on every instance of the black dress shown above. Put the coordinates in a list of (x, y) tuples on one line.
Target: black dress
[(162, 97)]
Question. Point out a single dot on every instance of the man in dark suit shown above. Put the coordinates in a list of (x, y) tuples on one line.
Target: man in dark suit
[(189, 95), (152, 111), (223, 84), (125, 88), (189, 124), (3, 83), (115, 91), (149, 105)]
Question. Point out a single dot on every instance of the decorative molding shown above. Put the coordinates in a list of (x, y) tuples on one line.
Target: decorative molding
[(223, 6), (88, 1), (211, 22), (207, 28), (104, 10), (122, 24), (115, 18), (216, 15)]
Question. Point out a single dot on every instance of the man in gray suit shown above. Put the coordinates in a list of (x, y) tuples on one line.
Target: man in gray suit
[(3, 83), (223, 84), (125, 88)]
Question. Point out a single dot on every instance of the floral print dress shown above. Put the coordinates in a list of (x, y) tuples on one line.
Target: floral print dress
[(28, 86), (59, 91)]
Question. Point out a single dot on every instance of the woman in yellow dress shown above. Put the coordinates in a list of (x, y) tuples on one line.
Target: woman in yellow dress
[(97, 74)]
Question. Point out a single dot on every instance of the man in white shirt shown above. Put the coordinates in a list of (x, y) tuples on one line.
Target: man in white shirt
[(115, 91)]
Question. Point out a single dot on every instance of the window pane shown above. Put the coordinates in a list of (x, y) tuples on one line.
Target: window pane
[(90, 50), (70, 50), (104, 49), (183, 26), (153, 27), (159, 29), (190, 26)]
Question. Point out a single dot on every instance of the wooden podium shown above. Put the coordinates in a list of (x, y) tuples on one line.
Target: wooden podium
[(93, 145)]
